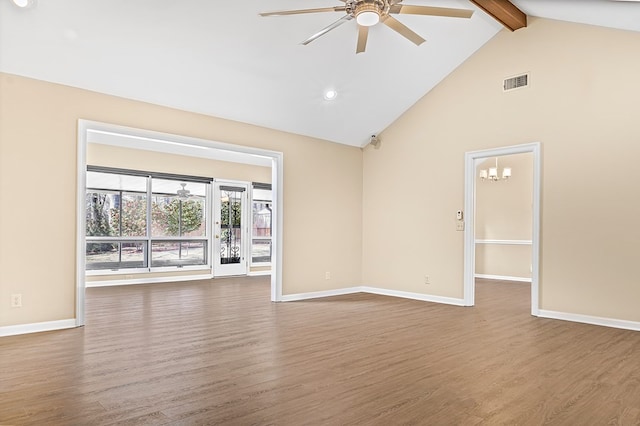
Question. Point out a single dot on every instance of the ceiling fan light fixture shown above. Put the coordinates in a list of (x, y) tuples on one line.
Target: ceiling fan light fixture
[(24, 3), (367, 13), (367, 18)]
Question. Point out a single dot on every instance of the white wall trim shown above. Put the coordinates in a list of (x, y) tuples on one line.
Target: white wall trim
[(588, 319), (318, 294), (414, 296), (154, 280), (277, 224), (506, 242), (503, 278), (258, 273), (13, 330), (374, 290), (81, 194)]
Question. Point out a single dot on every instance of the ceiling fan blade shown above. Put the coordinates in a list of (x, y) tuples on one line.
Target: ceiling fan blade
[(325, 30), (401, 29), (429, 10), (300, 11), (363, 33)]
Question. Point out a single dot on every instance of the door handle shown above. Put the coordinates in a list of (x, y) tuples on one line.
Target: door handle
[(217, 236)]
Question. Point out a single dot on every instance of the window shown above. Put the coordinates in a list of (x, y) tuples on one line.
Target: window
[(178, 223), (144, 220), (261, 224), (115, 221)]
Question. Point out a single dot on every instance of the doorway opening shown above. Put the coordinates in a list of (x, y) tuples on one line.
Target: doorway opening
[(474, 229), (91, 132), (230, 244)]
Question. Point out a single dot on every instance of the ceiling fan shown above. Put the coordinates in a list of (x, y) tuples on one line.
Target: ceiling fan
[(370, 12), (183, 193)]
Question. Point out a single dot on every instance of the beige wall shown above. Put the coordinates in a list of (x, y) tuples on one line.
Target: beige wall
[(503, 260), (38, 132), (582, 107), (503, 212)]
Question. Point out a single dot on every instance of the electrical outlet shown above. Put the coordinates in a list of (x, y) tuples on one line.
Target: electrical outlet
[(16, 301), (327, 275), (460, 225), (426, 280)]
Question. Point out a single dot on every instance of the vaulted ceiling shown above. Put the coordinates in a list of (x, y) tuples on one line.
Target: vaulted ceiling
[(223, 59)]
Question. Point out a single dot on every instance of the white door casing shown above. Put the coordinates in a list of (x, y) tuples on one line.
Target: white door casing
[(471, 160)]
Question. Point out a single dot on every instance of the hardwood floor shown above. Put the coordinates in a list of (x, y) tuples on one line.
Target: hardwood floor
[(218, 352)]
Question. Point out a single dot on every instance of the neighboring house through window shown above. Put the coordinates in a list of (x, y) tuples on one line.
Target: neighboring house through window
[(261, 224)]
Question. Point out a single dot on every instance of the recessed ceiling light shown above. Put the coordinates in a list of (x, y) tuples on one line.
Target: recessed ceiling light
[(24, 3), (330, 94)]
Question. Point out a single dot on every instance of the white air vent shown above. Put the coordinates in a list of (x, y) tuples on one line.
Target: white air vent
[(517, 82)]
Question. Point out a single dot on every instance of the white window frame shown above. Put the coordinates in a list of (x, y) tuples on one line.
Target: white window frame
[(251, 237), (148, 239)]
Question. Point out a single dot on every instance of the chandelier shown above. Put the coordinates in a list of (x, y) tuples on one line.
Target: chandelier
[(492, 174)]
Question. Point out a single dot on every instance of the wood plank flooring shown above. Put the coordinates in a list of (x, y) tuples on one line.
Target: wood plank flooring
[(218, 352)]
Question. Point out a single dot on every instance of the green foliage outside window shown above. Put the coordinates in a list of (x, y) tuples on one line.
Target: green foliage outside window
[(236, 213), (177, 217), (134, 217)]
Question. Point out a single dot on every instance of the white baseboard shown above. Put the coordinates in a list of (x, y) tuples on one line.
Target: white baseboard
[(414, 296), (373, 290), (588, 319), (503, 278), (317, 294), (12, 330), (107, 283), (258, 273)]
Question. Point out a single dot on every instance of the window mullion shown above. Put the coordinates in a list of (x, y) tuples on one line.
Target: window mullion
[(120, 213), (149, 213)]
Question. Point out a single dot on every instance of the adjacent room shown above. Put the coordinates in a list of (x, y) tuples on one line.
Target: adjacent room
[(342, 212)]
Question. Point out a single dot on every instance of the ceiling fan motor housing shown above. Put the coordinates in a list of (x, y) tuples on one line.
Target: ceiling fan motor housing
[(356, 7)]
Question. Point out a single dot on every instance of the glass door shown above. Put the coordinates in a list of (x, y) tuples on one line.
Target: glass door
[(230, 228)]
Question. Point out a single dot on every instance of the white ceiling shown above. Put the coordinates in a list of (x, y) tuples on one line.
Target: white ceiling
[(222, 59)]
